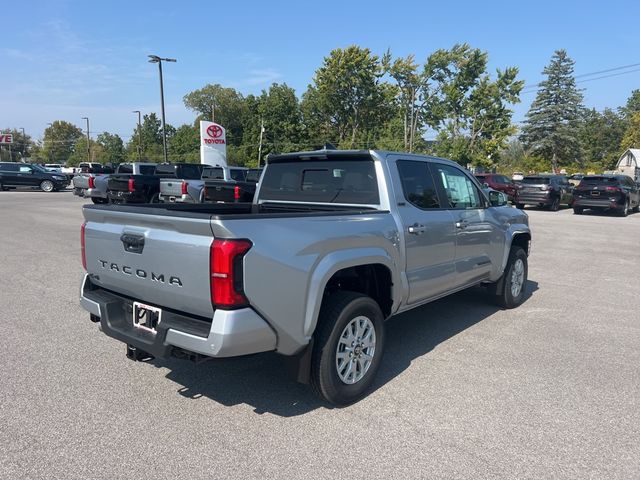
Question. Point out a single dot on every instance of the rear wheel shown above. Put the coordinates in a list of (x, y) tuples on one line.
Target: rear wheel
[(98, 200), (520, 206), (577, 210), (625, 210), (348, 347), (47, 186)]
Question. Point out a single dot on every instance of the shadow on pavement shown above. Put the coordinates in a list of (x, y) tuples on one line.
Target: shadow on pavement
[(263, 380)]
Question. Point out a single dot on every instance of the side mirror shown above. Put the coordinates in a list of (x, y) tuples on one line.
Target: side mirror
[(497, 199), (485, 185)]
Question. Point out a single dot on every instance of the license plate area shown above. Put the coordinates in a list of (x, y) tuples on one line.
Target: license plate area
[(146, 317), (595, 193)]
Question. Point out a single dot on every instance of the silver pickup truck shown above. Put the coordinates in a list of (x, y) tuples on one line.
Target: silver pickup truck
[(334, 243)]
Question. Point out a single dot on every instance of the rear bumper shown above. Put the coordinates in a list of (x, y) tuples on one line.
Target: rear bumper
[(119, 196), (186, 198), (94, 193), (229, 333), (596, 203), (535, 198)]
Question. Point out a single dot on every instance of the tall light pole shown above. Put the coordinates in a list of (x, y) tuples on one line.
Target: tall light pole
[(24, 143), (139, 135), (158, 60), (88, 140), (50, 125)]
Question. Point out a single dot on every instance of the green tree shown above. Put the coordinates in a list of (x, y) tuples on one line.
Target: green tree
[(151, 136), (60, 141), (632, 106), (113, 147), (185, 144), (80, 153), (230, 109), (469, 110), (552, 126), (347, 99), (600, 137), (631, 137)]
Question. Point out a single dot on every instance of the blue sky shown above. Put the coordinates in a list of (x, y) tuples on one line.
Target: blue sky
[(63, 60)]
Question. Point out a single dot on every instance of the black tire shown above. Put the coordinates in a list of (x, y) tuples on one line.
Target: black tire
[(625, 210), (338, 310), (47, 186), (555, 205), (520, 206), (155, 198), (3, 188), (502, 288), (98, 201), (577, 210)]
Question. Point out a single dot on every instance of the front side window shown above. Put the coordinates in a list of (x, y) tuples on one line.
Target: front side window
[(26, 169), (417, 184), (460, 190)]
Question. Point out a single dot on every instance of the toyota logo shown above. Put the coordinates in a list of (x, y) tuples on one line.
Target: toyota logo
[(214, 131)]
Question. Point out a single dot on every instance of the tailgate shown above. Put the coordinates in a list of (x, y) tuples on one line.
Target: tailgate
[(157, 259), (224, 192), (81, 181), (171, 187), (119, 183)]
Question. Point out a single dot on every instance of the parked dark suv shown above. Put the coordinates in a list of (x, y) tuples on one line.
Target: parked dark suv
[(501, 183), (542, 190), (13, 175), (607, 192)]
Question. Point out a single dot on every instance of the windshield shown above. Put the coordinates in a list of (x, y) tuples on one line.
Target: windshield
[(536, 180), (341, 181)]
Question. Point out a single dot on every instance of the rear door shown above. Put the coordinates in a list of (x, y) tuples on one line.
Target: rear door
[(472, 223), (429, 232)]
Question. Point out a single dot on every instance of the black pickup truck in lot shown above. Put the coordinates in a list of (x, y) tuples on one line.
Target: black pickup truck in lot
[(238, 189)]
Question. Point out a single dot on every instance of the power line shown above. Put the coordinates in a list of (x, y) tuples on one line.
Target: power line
[(533, 88)]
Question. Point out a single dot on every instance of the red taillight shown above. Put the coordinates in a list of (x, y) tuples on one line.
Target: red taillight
[(184, 188), (92, 182), (613, 189), (132, 185), (82, 247), (236, 193), (226, 273)]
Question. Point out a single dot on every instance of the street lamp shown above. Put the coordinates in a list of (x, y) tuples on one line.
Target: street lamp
[(24, 142), (88, 140), (158, 60), (139, 135)]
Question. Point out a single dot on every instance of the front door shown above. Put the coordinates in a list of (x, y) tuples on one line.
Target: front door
[(428, 231), (26, 176), (472, 223)]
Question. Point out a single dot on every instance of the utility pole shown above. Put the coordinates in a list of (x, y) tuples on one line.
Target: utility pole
[(139, 135), (260, 147), (24, 143), (158, 60), (88, 140), (213, 112)]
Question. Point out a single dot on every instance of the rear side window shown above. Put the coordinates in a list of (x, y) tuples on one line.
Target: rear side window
[(461, 191), (9, 167), (237, 174), (343, 181), (417, 184)]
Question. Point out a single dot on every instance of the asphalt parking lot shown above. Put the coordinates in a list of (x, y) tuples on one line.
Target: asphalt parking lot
[(548, 390)]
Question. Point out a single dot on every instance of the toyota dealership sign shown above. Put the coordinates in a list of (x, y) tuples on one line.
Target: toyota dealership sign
[(213, 144)]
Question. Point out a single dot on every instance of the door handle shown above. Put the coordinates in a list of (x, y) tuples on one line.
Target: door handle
[(416, 229), (461, 225)]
